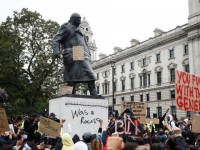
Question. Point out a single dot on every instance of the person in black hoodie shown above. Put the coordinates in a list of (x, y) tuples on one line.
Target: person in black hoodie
[(30, 125), (179, 140)]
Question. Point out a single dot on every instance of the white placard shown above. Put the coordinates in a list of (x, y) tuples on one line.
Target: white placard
[(81, 113)]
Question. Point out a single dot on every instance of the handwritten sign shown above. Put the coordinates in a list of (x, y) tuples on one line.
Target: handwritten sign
[(4, 126), (78, 53), (138, 109), (154, 121), (187, 89), (49, 127), (64, 89), (196, 123)]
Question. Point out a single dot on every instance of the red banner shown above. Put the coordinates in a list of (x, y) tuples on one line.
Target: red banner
[(187, 88)]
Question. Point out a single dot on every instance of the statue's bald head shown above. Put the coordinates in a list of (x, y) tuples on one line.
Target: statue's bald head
[(75, 19), (75, 15)]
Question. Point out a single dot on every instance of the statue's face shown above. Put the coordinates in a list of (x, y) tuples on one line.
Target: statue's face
[(77, 20)]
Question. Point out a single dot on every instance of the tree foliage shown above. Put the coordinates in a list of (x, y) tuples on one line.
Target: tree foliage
[(27, 67)]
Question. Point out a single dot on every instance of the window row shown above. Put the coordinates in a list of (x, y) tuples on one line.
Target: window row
[(159, 112), (158, 94), (144, 62), (144, 81)]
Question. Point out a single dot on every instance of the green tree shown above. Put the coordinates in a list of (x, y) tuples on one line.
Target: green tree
[(27, 68)]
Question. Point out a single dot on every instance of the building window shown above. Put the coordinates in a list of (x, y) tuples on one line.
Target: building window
[(157, 57), (172, 75), (123, 68), (187, 68), (115, 86), (149, 80), (144, 80), (158, 95), (189, 114), (110, 109), (132, 83), (148, 112), (132, 65), (159, 109), (106, 88), (171, 53), (123, 85), (114, 71), (97, 89), (122, 98), (114, 101), (172, 93), (132, 98), (186, 50), (106, 73), (147, 95), (173, 110), (144, 62), (140, 81), (141, 98), (159, 78), (97, 76)]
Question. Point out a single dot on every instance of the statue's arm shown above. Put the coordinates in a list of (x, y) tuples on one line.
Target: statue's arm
[(58, 40)]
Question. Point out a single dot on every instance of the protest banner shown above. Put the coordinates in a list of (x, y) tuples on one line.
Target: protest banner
[(49, 127), (196, 123), (187, 91), (154, 121), (4, 126), (138, 109)]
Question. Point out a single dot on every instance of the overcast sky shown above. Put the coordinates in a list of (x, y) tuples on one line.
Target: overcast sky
[(113, 22)]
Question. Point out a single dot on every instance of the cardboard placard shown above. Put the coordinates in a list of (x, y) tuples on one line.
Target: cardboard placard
[(187, 89), (64, 89), (155, 121), (196, 123), (4, 126), (138, 109), (78, 53), (49, 127)]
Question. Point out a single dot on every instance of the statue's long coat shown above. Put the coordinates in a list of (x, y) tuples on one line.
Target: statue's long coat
[(67, 37)]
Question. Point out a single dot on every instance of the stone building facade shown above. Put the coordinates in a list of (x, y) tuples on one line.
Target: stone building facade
[(145, 71)]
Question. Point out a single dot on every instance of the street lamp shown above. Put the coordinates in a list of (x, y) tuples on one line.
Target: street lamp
[(113, 99)]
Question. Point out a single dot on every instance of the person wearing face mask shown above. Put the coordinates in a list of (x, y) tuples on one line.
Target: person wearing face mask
[(69, 38)]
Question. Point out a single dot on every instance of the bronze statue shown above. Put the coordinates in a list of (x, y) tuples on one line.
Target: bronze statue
[(69, 36)]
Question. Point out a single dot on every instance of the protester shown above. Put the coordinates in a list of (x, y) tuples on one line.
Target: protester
[(96, 145), (87, 138), (67, 142), (168, 137), (80, 145)]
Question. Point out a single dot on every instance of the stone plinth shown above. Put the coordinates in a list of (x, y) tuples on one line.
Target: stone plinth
[(81, 113)]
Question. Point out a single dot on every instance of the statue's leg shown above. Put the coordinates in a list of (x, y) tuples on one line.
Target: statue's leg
[(74, 85), (91, 87)]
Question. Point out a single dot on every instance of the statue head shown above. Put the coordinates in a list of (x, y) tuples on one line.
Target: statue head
[(75, 19)]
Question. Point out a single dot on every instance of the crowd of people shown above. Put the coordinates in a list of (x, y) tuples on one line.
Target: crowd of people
[(169, 134)]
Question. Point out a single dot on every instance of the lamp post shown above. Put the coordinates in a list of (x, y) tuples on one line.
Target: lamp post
[(113, 99)]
